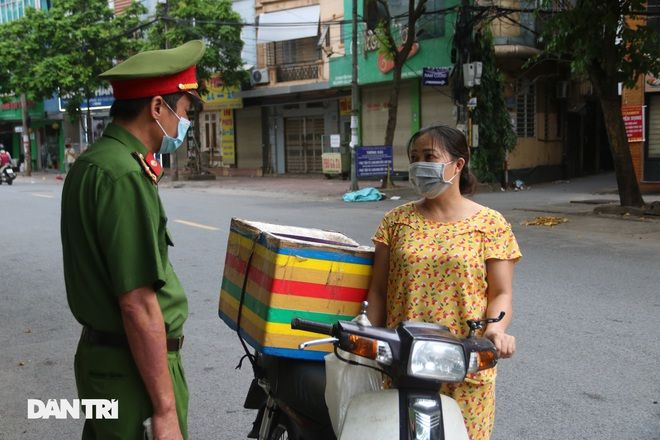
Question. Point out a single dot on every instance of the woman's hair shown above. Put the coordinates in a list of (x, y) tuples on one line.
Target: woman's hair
[(453, 142)]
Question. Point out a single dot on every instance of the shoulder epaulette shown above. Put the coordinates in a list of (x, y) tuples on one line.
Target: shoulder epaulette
[(145, 167)]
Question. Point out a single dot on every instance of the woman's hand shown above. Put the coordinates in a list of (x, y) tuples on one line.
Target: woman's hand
[(504, 342)]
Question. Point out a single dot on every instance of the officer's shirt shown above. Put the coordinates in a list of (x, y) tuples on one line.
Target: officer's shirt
[(114, 236)]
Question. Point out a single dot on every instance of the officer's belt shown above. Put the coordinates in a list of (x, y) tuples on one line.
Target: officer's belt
[(119, 341)]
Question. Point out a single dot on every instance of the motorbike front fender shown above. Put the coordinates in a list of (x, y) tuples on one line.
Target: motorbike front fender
[(377, 415)]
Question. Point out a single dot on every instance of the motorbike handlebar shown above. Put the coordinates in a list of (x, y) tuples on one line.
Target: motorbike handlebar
[(311, 326)]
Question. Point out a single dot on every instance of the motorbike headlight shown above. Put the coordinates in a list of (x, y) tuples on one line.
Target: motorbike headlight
[(436, 360)]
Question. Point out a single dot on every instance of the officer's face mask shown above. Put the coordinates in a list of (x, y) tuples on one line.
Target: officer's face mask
[(427, 178), (170, 144)]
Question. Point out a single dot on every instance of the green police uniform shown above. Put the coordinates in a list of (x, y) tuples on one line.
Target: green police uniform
[(114, 240)]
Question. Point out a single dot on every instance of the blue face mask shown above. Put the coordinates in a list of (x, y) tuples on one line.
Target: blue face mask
[(169, 144), (427, 178)]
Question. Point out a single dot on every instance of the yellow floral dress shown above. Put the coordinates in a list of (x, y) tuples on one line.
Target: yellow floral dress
[(437, 273)]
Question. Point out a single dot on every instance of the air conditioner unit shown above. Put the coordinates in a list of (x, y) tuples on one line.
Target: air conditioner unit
[(259, 76), (562, 90)]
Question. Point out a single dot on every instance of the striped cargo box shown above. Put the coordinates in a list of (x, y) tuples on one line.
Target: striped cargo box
[(293, 272)]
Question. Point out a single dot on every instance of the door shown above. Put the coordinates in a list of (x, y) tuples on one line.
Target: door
[(652, 145), (210, 137), (303, 147)]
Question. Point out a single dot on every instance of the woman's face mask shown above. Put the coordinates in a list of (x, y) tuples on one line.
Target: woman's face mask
[(427, 178), (169, 144)]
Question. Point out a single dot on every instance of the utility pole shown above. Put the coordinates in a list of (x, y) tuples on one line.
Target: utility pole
[(355, 97), (25, 136)]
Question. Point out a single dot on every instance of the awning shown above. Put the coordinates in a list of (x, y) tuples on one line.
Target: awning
[(289, 24)]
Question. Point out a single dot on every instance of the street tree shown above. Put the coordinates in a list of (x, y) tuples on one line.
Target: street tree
[(213, 21), (496, 135), (380, 19), (83, 39), (606, 46), (61, 52), (19, 47)]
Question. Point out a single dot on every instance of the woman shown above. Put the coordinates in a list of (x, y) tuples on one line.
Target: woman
[(447, 259)]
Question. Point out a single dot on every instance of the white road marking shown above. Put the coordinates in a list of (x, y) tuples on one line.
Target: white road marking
[(45, 196), (196, 225)]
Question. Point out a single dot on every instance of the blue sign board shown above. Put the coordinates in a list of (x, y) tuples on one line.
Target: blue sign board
[(374, 160), (102, 99), (435, 76)]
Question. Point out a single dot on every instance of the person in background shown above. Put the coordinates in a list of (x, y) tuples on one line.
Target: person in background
[(5, 158), (445, 259), (69, 157)]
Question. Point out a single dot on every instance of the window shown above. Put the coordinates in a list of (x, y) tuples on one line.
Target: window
[(302, 50), (525, 109)]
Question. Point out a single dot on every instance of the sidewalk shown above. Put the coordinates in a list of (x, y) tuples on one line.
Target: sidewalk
[(575, 197)]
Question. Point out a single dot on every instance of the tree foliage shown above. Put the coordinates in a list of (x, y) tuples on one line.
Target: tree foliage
[(496, 135), (63, 50), (604, 43), (213, 21), (397, 54)]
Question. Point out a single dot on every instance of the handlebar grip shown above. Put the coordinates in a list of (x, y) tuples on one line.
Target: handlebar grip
[(311, 326)]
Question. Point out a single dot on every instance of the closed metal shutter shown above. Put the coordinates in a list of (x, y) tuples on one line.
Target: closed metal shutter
[(303, 137)]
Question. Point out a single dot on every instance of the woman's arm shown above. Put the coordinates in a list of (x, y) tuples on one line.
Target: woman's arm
[(499, 274), (377, 295)]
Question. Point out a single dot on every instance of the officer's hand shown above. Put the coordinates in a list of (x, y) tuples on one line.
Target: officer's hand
[(504, 343), (166, 426)]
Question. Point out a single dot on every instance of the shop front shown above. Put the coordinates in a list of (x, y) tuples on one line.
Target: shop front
[(45, 134)]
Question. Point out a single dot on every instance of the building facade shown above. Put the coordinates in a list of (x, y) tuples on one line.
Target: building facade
[(641, 111)]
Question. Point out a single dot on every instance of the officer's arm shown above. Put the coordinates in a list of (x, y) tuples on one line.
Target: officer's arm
[(145, 329)]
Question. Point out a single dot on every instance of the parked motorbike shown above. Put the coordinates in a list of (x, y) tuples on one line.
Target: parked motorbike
[(418, 357), (7, 175)]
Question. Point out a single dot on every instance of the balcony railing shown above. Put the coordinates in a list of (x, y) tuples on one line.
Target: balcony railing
[(297, 72)]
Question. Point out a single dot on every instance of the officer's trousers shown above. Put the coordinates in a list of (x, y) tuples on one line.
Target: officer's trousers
[(110, 373)]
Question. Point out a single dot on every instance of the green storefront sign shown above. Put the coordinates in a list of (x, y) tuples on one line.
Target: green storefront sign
[(434, 32), (11, 111)]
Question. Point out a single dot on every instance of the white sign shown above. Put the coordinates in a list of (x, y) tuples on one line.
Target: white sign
[(92, 409), (335, 141), (18, 129)]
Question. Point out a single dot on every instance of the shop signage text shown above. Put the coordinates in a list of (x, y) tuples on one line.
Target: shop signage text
[(374, 160), (435, 76), (633, 119)]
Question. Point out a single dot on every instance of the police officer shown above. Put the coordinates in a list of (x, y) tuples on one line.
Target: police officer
[(120, 284)]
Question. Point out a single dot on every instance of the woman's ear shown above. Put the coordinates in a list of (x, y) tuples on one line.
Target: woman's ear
[(460, 163)]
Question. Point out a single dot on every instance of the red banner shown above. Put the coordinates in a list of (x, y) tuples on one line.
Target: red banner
[(633, 119)]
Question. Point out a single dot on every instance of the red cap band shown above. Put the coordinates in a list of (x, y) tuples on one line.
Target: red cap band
[(184, 81)]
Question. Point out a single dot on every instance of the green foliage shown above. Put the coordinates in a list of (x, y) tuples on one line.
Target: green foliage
[(597, 40), (63, 50), (186, 20), (496, 135)]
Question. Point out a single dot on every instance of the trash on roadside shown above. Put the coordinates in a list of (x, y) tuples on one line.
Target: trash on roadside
[(545, 221), (369, 194), (395, 198), (519, 185)]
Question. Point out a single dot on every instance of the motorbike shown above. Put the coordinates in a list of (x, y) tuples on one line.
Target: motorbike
[(7, 175), (418, 357)]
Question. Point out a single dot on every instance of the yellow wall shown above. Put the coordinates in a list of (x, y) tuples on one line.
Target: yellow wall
[(545, 148)]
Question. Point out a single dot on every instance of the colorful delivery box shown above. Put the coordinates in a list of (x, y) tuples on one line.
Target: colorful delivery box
[(275, 273)]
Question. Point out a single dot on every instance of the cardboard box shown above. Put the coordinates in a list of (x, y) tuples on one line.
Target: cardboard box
[(291, 272)]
